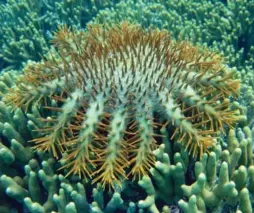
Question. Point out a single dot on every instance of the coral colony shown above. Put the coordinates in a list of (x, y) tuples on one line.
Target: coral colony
[(107, 92)]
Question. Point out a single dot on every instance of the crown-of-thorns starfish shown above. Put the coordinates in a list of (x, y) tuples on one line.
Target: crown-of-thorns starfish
[(108, 89)]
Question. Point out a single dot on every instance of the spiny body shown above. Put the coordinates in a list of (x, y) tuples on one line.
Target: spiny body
[(109, 89)]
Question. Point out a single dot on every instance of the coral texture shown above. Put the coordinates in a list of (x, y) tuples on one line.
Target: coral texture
[(227, 28), (31, 182), (108, 91), (26, 26)]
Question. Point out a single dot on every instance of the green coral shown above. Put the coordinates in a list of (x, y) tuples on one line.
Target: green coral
[(26, 26), (226, 27), (231, 167)]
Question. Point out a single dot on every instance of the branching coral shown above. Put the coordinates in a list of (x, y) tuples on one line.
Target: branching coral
[(226, 27), (26, 26), (109, 90)]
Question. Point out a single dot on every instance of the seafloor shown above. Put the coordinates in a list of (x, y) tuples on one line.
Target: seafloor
[(221, 180)]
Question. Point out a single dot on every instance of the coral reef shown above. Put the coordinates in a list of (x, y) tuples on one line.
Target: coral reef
[(26, 26), (222, 181), (227, 28), (33, 181)]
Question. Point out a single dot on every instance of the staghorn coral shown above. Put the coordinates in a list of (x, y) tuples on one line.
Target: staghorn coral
[(48, 191), (109, 90), (228, 28), (26, 26), (33, 183)]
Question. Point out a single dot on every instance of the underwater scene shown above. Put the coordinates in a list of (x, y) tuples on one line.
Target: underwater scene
[(126, 106)]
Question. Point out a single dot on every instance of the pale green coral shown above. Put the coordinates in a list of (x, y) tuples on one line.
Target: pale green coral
[(227, 29), (204, 194), (27, 26)]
